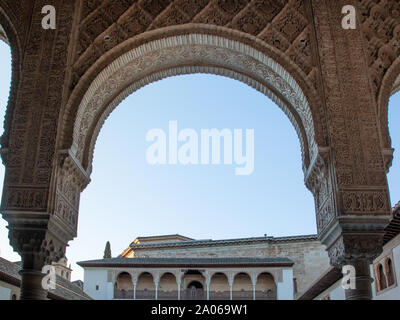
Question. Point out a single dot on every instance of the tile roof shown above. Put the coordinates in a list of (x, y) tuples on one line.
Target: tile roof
[(65, 290), (186, 262), (209, 242), (325, 281), (393, 229)]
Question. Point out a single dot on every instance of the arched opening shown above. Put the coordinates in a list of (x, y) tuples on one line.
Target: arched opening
[(8, 58), (265, 287), (167, 288), (393, 117), (381, 278), (194, 291), (229, 59), (212, 54), (389, 272), (193, 283), (219, 287), (145, 287), (123, 288), (242, 287)]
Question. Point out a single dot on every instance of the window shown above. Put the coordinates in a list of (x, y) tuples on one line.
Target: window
[(389, 272), (97, 287), (381, 278)]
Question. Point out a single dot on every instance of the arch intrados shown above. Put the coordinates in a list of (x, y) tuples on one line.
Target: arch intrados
[(242, 274), (144, 273), (219, 274), (299, 100), (168, 274), (10, 37), (124, 273), (3, 36), (390, 86), (196, 284), (268, 274)]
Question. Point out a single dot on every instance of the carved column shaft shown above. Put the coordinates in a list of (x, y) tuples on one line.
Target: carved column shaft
[(362, 290), (31, 285), (29, 146), (348, 180)]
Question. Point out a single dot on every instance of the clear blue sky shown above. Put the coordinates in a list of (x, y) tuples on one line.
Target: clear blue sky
[(128, 197)]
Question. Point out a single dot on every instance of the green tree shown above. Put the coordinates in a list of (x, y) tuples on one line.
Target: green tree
[(107, 251)]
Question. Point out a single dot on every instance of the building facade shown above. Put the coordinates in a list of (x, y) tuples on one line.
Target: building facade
[(177, 267)]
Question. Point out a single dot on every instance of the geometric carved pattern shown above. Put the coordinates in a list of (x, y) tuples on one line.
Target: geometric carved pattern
[(380, 23), (280, 23), (381, 28)]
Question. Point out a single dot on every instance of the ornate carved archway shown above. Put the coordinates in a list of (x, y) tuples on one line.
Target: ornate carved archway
[(190, 53), (333, 84)]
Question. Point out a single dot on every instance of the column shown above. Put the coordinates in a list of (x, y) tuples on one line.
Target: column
[(31, 236), (134, 281), (29, 149), (208, 282), (207, 276), (179, 289), (231, 277), (363, 280), (347, 174), (156, 282), (254, 283), (178, 277), (31, 285)]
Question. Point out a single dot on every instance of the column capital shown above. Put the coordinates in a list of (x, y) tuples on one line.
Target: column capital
[(231, 277), (37, 237), (253, 277), (207, 276)]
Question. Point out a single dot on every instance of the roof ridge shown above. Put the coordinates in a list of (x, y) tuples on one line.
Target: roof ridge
[(194, 241)]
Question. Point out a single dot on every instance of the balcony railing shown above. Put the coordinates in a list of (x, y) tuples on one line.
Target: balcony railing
[(190, 294), (123, 294)]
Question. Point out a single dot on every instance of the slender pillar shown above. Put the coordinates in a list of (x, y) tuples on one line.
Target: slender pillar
[(134, 291), (231, 277), (179, 289), (363, 280), (208, 282), (156, 282), (254, 283), (156, 285)]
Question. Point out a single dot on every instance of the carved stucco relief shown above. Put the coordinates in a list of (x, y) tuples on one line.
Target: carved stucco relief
[(189, 54)]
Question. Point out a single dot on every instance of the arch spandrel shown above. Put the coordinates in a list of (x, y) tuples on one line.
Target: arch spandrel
[(190, 53), (3, 36), (283, 24), (380, 23)]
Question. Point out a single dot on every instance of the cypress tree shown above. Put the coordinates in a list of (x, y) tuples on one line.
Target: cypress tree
[(107, 251)]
